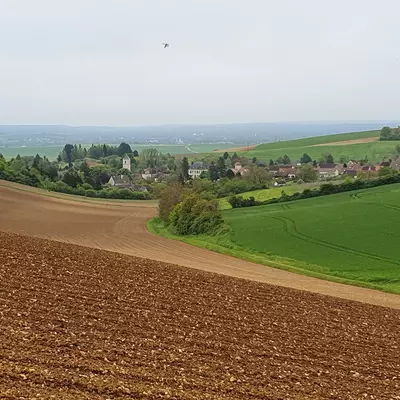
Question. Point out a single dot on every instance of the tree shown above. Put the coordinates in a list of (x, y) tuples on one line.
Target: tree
[(257, 175), (329, 159), (286, 160), (305, 159), (307, 173), (235, 158), (185, 169), (85, 169), (150, 158), (386, 132), (36, 161), (230, 174), (68, 148), (169, 198), (221, 167), (213, 172), (195, 215), (105, 151), (315, 164), (271, 163), (254, 160), (226, 155), (387, 171), (123, 149), (135, 153), (326, 158), (59, 159), (71, 178)]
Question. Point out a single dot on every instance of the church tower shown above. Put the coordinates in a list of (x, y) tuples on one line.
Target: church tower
[(126, 162)]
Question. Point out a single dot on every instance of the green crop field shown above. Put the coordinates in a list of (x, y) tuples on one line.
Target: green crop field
[(349, 237), (353, 235), (375, 151), (266, 194)]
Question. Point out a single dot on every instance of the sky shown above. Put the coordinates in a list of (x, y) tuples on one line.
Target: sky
[(101, 62)]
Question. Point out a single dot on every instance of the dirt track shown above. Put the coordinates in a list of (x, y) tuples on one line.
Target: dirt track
[(80, 323), (120, 227), (348, 142)]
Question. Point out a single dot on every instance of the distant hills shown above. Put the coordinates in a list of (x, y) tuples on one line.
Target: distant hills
[(16, 135)]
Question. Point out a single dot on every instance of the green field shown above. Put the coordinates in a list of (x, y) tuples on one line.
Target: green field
[(266, 194), (374, 151), (350, 237), (51, 152)]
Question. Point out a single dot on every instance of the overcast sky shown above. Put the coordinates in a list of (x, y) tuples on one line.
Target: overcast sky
[(101, 62)]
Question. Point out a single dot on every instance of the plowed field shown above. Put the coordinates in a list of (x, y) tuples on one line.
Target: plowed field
[(121, 227), (81, 323)]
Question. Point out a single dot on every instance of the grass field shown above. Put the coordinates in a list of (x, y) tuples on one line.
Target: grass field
[(52, 152), (349, 237), (266, 194), (375, 151)]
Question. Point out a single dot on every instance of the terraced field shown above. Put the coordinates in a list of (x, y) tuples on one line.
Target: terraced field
[(82, 323)]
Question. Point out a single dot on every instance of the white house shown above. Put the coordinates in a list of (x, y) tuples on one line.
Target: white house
[(196, 169), (126, 162)]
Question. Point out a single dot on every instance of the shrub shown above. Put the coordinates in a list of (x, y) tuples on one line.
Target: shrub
[(195, 215), (170, 197)]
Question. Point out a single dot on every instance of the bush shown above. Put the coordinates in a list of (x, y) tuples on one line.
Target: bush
[(170, 197), (195, 215)]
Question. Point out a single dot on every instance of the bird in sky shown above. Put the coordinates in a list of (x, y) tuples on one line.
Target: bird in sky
[(165, 45)]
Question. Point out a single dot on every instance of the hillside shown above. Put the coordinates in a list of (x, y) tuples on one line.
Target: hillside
[(347, 146), (80, 323), (339, 235)]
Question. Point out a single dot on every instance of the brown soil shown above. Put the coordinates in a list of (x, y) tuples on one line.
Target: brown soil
[(121, 227), (81, 323), (348, 142), (234, 149)]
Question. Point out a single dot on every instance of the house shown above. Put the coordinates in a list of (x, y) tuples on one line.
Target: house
[(286, 168), (238, 169), (274, 169), (329, 170), (383, 164), (368, 168), (395, 164), (350, 172), (197, 168), (149, 173), (124, 182), (289, 173)]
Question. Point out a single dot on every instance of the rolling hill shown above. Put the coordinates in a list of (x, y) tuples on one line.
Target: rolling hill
[(343, 147)]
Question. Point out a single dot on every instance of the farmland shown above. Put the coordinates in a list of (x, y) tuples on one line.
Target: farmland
[(52, 152), (351, 235), (81, 323), (266, 194), (360, 145)]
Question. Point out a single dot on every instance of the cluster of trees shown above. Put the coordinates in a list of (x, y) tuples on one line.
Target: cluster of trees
[(388, 133), (188, 212), (71, 153), (323, 190)]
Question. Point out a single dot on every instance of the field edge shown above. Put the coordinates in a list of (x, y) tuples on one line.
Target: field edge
[(157, 227)]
